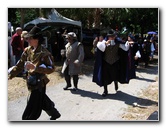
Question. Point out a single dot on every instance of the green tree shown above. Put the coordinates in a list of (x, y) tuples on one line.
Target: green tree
[(137, 20)]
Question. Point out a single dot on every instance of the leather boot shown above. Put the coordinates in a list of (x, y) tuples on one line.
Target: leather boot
[(75, 82), (116, 85), (67, 79), (67, 86), (53, 113), (105, 93)]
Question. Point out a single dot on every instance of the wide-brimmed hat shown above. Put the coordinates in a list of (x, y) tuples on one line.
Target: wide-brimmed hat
[(35, 31), (111, 33), (71, 34), (131, 37)]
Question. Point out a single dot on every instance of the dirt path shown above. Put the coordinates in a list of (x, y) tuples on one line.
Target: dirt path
[(87, 104)]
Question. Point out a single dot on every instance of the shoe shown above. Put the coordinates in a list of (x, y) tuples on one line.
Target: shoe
[(55, 116), (75, 89), (67, 86), (54, 113), (105, 94), (116, 87)]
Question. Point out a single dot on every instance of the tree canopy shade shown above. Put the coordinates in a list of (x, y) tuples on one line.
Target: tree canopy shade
[(136, 20)]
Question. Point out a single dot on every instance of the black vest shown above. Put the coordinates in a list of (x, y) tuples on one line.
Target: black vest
[(111, 54)]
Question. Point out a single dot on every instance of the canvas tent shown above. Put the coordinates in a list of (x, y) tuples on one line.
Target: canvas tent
[(54, 25), (53, 19), (57, 18), (36, 21)]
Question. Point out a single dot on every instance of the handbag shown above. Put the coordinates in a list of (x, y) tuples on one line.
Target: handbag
[(33, 80)]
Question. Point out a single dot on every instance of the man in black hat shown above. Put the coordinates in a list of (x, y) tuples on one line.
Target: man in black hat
[(38, 62), (110, 70)]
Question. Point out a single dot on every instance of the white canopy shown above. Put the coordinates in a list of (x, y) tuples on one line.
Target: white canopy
[(53, 18), (56, 17), (37, 21)]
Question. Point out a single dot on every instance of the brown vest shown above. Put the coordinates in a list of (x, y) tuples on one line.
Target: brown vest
[(111, 54)]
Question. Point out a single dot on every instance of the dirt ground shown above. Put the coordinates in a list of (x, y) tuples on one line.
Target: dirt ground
[(17, 88), (141, 113)]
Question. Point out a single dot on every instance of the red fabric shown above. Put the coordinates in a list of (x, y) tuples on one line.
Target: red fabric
[(16, 44)]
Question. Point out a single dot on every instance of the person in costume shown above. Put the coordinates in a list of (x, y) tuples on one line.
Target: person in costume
[(107, 65), (38, 62), (146, 49), (133, 55), (74, 56)]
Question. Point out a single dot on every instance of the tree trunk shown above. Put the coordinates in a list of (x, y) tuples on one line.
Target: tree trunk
[(22, 12), (97, 18)]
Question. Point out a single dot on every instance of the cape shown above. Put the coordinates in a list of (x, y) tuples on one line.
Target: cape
[(124, 77), (97, 72)]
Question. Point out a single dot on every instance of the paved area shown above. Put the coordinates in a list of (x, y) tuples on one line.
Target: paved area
[(87, 104)]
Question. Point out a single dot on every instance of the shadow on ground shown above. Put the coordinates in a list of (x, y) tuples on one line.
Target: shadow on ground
[(122, 96)]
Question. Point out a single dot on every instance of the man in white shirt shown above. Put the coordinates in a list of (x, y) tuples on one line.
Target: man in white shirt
[(110, 60)]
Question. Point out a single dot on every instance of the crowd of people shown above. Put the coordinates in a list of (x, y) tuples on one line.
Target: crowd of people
[(116, 59), (144, 48)]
